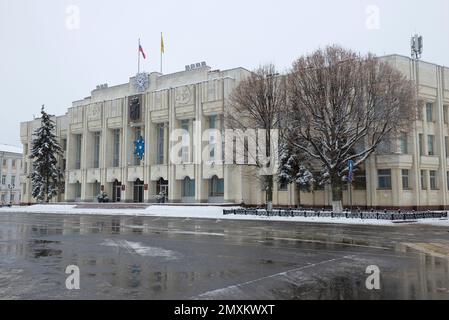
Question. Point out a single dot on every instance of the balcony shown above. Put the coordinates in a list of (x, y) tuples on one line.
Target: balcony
[(113, 174), (394, 160), (135, 173), (74, 176), (158, 172), (430, 161), (93, 175), (185, 170), (210, 170)]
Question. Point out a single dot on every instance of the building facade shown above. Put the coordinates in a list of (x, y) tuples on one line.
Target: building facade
[(10, 173), (98, 135)]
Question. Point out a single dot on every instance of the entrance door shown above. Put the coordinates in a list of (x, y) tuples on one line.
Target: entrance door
[(162, 186), (117, 192), (138, 191)]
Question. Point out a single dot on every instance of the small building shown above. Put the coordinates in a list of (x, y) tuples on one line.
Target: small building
[(10, 174)]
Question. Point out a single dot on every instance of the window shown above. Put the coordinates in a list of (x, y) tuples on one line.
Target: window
[(429, 112), (78, 144), (421, 144), (431, 144), (13, 180), (12, 199), (3, 179), (216, 188), (282, 186), (97, 136), (360, 180), (405, 179), (137, 136), (404, 143), (222, 126), (25, 168), (212, 138), (446, 146), (160, 143), (5, 162), (13, 163), (64, 144), (447, 178), (116, 152), (3, 198), (384, 177), (188, 188), (185, 155), (24, 188), (423, 180), (25, 149), (384, 146), (433, 180)]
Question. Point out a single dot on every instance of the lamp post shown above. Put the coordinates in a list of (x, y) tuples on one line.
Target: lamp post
[(11, 188)]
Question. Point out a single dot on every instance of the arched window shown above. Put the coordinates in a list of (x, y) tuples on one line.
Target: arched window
[(216, 187), (188, 188)]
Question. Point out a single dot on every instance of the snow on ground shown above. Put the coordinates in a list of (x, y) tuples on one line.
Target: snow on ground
[(203, 212)]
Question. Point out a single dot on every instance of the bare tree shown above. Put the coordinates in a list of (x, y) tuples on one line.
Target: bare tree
[(342, 106), (258, 103)]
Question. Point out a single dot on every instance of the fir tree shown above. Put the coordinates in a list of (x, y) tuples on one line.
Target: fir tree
[(45, 177)]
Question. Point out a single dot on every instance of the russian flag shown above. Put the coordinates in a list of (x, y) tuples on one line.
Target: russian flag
[(142, 52)]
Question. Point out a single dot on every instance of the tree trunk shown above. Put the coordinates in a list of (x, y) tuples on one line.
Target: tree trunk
[(337, 195), (298, 196), (269, 193)]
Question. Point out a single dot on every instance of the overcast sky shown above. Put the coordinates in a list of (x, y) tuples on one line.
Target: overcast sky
[(53, 52)]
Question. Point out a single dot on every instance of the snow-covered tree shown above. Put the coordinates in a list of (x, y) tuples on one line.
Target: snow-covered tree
[(294, 168), (258, 103), (342, 106), (45, 177)]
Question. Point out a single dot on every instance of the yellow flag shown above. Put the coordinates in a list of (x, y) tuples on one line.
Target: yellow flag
[(162, 44)]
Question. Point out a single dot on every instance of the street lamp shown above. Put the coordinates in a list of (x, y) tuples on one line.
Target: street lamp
[(11, 188)]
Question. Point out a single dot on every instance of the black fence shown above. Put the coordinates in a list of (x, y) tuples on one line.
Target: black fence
[(392, 216)]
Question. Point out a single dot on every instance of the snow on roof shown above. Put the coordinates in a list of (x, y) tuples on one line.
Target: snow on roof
[(11, 149)]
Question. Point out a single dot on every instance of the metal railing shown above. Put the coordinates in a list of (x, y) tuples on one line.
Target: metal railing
[(372, 215)]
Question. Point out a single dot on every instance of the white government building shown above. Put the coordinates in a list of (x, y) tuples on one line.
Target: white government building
[(98, 135), (10, 174)]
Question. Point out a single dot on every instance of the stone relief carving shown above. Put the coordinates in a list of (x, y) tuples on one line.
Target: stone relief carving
[(184, 96)]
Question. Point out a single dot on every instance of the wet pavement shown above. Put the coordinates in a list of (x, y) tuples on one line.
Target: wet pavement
[(166, 258)]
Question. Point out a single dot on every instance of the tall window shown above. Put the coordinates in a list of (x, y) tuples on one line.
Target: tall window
[(160, 143), (431, 144), (421, 144), (384, 177), (185, 125), (429, 112), (116, 151), (404, 143), (137, 136), (78, 144), (97, 136), (13, 163), (188, 188), (222, 126), (216, 187), (384, 146), (3, 179), (446, 146), (78, 191), (405, 179), (13, 180), (423, 180), (360, 180), (433, 180), (212, 138)]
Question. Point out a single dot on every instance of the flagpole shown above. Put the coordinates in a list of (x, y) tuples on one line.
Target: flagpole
[(138, 58), (161, 51)]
